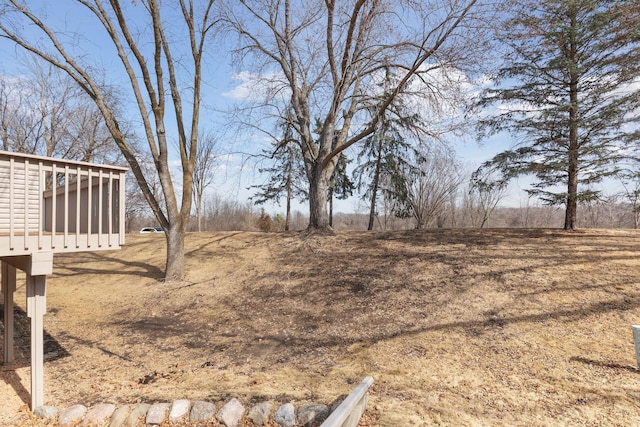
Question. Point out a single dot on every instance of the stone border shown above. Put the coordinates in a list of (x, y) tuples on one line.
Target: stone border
[(183, 411)]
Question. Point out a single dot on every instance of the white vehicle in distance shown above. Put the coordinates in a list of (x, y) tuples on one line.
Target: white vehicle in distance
[(150, 230)]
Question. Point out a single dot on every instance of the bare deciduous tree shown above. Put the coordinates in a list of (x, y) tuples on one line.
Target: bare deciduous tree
[(53, 95), (22, 122), (630, 180), (145, 47), (489, 190), (89, 140), (324, 58), (203, 171), (136, 206), (44, 112), (432, 185), (9, 105)]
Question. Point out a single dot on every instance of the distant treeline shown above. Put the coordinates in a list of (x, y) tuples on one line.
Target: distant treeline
[(228, 215)]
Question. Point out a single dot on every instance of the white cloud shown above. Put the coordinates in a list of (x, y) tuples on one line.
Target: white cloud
[(257, 87)]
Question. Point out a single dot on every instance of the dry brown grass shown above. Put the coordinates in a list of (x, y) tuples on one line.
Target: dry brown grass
[(457, 327)]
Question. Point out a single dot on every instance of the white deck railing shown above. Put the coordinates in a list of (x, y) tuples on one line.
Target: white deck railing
[(57, 205), (349, 412)]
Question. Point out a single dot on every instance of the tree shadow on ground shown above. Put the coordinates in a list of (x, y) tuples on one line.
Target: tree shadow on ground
[(131, 268), (312, 338), (603, 364), (328, 294)]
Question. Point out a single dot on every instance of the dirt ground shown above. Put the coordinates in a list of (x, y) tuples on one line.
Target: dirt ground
[(457, 327)]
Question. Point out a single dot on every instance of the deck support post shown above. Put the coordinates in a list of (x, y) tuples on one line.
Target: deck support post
[(36, 222), (36, 267), (8, 274), (36, 308)]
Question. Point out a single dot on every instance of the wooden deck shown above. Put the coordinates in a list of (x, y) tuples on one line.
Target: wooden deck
[(59, 205), (48, 206), (21, 244)]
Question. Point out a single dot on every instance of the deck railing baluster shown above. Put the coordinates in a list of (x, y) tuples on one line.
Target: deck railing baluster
[(26, 204), (12, 212), (110, 207), (78, 191), (121, 212), (41, 213), (54, 206), (66, 206), (100, 196), (89, 204)]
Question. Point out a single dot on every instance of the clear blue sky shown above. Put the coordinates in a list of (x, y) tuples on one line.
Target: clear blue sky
[(219, 90)]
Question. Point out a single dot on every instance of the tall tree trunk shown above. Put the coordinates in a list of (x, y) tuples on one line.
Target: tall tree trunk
[(199, 213), (331, 203), (5, 139), (572, 172), (287, 221), (318, 184), (174, 236), (372, 210), (570, 218), (152, 78), (485, 217), (374, 189)]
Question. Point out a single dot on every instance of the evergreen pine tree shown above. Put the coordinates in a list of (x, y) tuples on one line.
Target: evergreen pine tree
[(564, 92), (387, 156), (340, 185), (286, 176)]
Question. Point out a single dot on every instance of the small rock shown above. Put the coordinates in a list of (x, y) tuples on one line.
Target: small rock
[(285, 415), (259, 414), (308, 414), (99, 414), (231, 413), (44, 411), (119, 417), (137, 413), (179, 409), (157, 413), (71, 414), (202, 411)]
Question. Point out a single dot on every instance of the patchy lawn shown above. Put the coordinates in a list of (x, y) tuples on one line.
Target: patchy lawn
[(457, 327)]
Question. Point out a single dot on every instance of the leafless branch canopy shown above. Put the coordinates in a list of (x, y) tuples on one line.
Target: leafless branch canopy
[(330, 57), (327, 60), (148, 38)]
